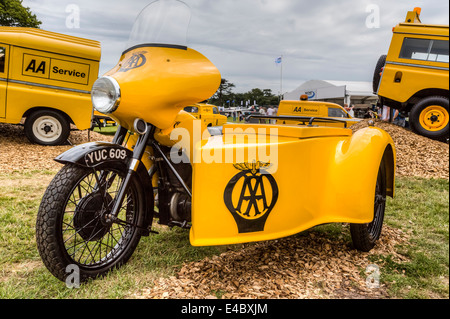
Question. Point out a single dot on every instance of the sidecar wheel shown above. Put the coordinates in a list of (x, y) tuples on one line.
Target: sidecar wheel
[(72, 228), (365, 236)]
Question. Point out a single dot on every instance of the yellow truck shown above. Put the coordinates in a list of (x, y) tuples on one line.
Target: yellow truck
[(414, 76), (317, 109), (46, 78), (209, 114)]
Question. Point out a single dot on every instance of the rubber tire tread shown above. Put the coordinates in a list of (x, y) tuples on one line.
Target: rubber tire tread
[(378, 69), (53, 203)]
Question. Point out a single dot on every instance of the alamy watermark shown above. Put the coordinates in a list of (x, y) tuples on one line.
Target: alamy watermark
[(373, 277), (373, 20), (73, 277), (73, 19), (237, 145)]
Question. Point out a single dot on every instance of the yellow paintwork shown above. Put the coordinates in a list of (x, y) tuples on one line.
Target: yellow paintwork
[(158, 82), (403, 78), (205, 113), (314, 109), (324, 175), (185, 133), (47, 70)]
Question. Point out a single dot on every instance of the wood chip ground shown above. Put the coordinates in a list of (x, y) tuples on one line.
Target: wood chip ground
[(18, 154), (309, 265)]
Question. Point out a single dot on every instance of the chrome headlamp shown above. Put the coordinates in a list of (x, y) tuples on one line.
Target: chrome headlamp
[(106, 95)]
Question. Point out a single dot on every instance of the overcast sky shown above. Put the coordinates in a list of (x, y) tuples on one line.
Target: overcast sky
[(320, 40)]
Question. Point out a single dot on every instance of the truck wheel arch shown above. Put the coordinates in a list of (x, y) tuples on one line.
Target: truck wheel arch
[(39, 108)]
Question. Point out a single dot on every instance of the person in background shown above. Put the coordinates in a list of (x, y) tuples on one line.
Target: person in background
[(262, 111), (350, 110), (386, 113), (369, 114), (271, 112), (399, 119)]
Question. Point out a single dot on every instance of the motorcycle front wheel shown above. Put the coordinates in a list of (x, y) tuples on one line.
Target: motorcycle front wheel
[(73, 228)]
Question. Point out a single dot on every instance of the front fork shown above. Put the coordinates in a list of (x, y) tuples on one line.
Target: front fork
[(134, 161), (143, 141)]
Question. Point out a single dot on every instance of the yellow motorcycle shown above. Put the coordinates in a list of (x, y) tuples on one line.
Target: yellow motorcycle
[(236, 184)]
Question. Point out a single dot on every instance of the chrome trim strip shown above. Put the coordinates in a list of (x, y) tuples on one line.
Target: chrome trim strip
[(418, 66), (423, 34), (48, 86)]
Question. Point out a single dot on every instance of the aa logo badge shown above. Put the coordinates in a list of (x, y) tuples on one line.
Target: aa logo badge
[(250, 196), (137, 60)]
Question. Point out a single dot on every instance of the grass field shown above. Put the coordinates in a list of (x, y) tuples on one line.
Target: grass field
[(108, 130), (420, 209)]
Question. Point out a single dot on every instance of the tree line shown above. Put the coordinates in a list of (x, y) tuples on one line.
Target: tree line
[(227, 98), (14, 14)]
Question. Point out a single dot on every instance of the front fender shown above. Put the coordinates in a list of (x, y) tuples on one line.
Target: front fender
[(94, 154), (358, 159)]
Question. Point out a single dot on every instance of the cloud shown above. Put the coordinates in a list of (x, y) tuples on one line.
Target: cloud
[(321, 39)]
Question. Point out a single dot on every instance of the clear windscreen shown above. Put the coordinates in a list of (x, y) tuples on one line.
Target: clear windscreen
[(162, 22)]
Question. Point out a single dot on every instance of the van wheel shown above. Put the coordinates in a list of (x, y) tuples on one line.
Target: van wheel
[(377, 74), (430, 118), (47, 127)]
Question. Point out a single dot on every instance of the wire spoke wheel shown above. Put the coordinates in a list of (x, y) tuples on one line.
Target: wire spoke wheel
[(74, 225), (375, 227), (89, 239)]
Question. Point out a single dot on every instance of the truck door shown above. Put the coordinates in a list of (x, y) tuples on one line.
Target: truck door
[(4, 62)]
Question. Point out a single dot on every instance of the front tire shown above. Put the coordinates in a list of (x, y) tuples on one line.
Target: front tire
[(71, 227), (365, 236)]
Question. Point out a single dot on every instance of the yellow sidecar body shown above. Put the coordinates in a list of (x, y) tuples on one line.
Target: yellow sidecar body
[(318, 175)]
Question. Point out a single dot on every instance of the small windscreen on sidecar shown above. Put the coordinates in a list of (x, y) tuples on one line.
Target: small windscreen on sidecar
[(161, 23)]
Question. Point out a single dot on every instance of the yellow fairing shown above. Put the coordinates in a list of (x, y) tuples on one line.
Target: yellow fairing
[(186, 132), (158, 82), (322, 175)]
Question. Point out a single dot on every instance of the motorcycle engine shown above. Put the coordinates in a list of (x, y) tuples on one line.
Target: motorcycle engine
[(174, 202), (180, 207)]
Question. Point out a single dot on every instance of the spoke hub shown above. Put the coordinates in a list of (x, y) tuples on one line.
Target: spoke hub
[(89, 219)]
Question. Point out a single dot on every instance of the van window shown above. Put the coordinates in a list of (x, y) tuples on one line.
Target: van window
[(215, 110), (336, 113), (2, 59), (425, 50), (439, 52), (191, 109)]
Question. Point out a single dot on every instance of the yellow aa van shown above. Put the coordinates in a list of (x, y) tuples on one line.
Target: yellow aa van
[(317, 109), (414, 76), (209, 114), (46, 78)]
